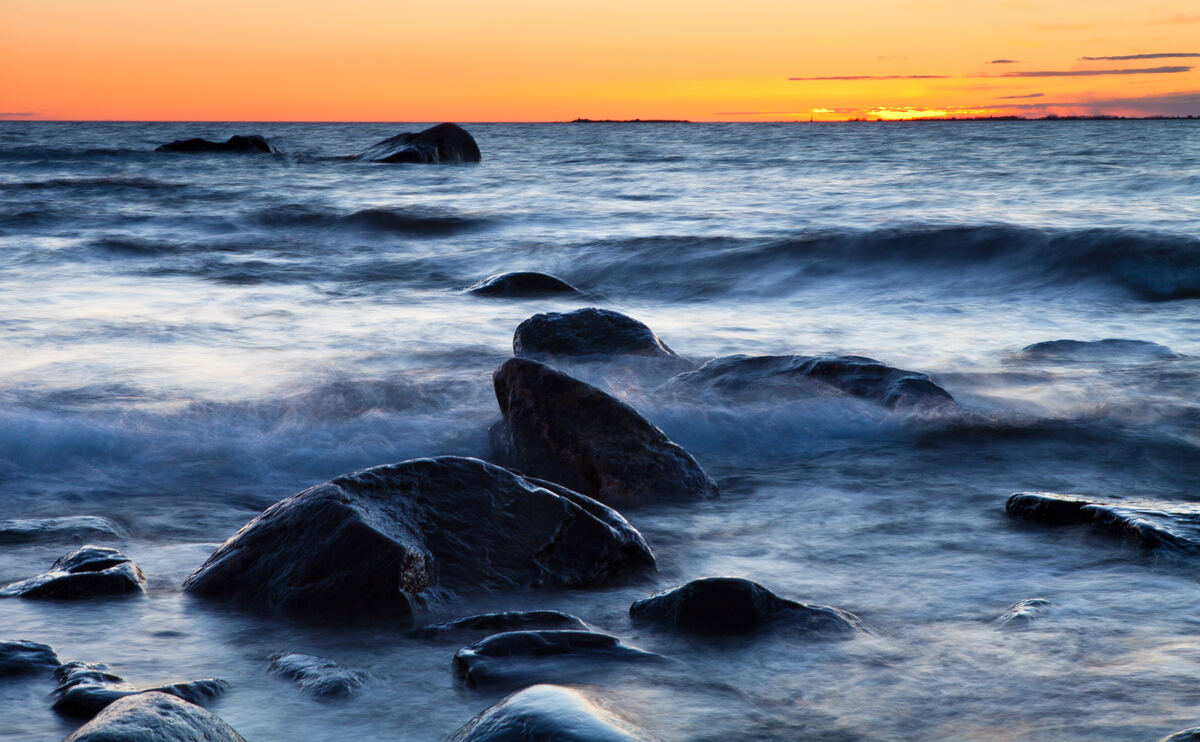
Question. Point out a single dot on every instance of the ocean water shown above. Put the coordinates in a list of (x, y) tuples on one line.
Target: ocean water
[(185, 339)]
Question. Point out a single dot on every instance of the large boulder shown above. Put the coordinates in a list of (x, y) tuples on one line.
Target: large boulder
[(1109, 349), (493, 623), (1151, 525), (374, 541), (155, 717), (437, 144), (522, 284), (724, 606), (23, 657), (84, 689), (586, 332), (250, 144), (62, 528), (548, 713), (558, 428), (87, 572), (317, 676), (773, 376), (522, 657)]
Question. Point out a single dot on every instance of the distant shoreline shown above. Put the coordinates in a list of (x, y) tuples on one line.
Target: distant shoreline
[(954, 119)]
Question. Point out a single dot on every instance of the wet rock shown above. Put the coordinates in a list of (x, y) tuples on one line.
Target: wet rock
[(372, 542), (858, 376), (586, 332), (1151, 525), (66, 528), (558, 428), (1109, 349), (723, 606), (493, 623), (317, 676), (1024, 611), (250, 144), (84, 689), (155, 717), (438, 144), (25, 658), (87, 572), (532, 656), (521, 284), (548, 713), (1187, 735)]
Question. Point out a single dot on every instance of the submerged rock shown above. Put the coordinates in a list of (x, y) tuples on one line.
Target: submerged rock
[(84, 689), (521, 284), (65, 528), (373, 541), (25, 658), (87, 572), (1024, 611), (493, 623), (858, 376), (317, 676), (586, 332), (155, 717), (1109, 349), (532, 656), (1151, 525), (252, 143), (438, 144), (558, 428), (548, 713), (724, 606)]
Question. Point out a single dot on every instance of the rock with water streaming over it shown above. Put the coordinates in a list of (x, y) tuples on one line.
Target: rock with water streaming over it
[(87, 572), (522, 657), (84, 689), (373, 542), (494, 623), (549, 713), (444, 143), (522, 284), (561, 429), (317, 676), (1024, 611), (63, 528), (1109, 349), (23, 657), (1149, 524), (155, 717), (247, 144), (586, 332), (725, 606)]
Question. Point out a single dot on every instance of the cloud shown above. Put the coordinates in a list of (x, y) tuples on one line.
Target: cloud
[(1004, 61), (1096, 73), (1127, 57), (874, 77), (17, 114), (1017, 97)]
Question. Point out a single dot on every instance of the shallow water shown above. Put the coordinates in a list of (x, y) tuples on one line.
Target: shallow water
[(187, 339)]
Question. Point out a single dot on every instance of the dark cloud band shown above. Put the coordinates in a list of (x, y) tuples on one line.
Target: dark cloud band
[(1127, 57)]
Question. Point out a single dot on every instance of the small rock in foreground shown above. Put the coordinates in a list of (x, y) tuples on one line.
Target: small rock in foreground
[(85, 688), (493, 623), (521, 284), (532, 656), (250, 144), (1024, 611), (586, 332), (317, 676), (87, 572), (25, 657), (1151, 525), (1109, 349), (548, 713), (155, 717)]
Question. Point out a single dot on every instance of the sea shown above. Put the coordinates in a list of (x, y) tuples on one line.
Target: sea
[(186, 339)]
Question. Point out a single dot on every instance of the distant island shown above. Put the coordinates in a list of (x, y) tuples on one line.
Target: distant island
[(629, 121), (1050, 117)]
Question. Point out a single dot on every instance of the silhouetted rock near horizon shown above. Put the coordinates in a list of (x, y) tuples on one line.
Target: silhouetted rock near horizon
[(250, 144), (494, 623), (1109, 349), (444, 143), (84, 689), (548, 713), (87, 572), (317, 676), (22, 657), (1151, 525), (372, 542), (521, 284), (563, 430), (522, 657), (155, 717), (586, 332), (727, 606)]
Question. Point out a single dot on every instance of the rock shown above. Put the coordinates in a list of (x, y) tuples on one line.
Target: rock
[(438, 144), (1151, 525), (586, 332), (155, 717), (731, 605), (521, 284), (87, 572), (317, 676), (1109, 349), (1024, 611), (533, 656), (25, 657), (866, 378), (84, 689), (548, 713), (66, 528), (248, 144), (371, 542), (492, 623), (1187, 735), (558, 428)]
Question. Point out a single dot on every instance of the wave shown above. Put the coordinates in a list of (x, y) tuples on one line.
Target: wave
[(409, 220), (102, 184)]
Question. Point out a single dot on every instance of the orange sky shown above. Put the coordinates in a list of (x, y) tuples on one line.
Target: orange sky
[(535, 60)]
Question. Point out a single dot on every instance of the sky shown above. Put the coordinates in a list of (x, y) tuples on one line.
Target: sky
[(536, 60)]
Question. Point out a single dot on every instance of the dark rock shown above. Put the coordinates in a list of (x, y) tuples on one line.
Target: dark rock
[(66, 528), (26, 657), (493, 623), (1151, 525), (84, 689), (1024, 611), (533, 656), (521, 284), (866, 378), (155, 717), (87, 572), (1187, 735), (317, 676), (586, 332), (561, 429), (731, 605), (372, 541), (1109, 349), (438, 144), (548, 713), (248, 144)]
